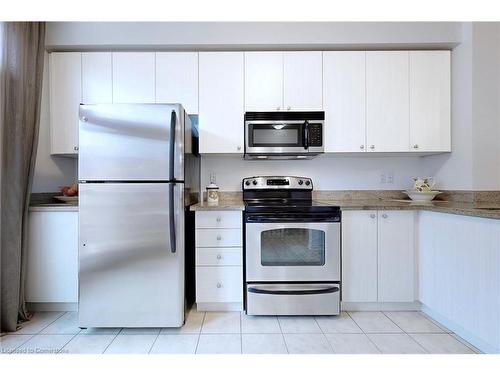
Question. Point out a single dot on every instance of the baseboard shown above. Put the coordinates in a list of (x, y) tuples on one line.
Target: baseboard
[(52, 306), (380, 306), (460, 331), (219, 306)]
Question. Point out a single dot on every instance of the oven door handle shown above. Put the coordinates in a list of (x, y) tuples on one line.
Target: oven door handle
[(324, 290)]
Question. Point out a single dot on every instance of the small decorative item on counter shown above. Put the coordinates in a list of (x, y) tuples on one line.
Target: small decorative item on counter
[(69, 194), (422, 189), (423, 183), (212, 194)]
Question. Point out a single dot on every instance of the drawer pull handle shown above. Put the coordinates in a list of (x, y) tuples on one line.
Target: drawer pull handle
[(384, 216), (218, 219), (219, 237), (219, 285), (372, 216), (219, 256), (333, 289)]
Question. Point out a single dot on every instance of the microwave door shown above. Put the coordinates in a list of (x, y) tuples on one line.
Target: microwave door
[(275, 137)]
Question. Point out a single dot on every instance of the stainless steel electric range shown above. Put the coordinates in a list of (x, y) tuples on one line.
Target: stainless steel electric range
[(292, 248)]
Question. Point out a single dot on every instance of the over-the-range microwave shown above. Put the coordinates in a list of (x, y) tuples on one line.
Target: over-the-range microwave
[(284, 135)]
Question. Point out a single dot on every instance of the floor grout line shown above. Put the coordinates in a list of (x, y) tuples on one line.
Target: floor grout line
[(112, 341), (406, 333), (282, 335), (199, 333)]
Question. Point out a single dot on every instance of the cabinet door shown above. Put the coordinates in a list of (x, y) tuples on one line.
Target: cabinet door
[(177, 79), (263, 81), (430, 101), (359, 256), (303, 81), (387, 101), (396, 256), (52, 268), (344, 101), (133, 77), (65, 97), (97, 78), (221, 102)]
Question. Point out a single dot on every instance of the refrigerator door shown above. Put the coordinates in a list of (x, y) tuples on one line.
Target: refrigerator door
[(131, 142), (131, 255)]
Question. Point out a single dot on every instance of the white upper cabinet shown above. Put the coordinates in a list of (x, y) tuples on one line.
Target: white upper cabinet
[(359, 256), (344, 101), (221, 106), (387, 104), (396, 256), (133, 77), (263, 81), (65, 97), (177, 79), (430, 101), (302, 81), (97, 77)]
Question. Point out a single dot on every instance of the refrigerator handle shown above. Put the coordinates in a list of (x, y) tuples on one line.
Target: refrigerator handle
[(171, 219), (173, 119)]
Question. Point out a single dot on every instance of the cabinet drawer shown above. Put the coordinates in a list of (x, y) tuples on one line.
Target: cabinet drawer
[(226, 256), (218, 219), (219, 284), (219, 238)]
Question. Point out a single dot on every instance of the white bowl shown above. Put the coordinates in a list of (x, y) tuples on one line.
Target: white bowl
[(421, 196)]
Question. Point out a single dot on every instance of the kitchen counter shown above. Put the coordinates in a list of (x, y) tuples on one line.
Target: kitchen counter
[(53, 207), (489, 210)]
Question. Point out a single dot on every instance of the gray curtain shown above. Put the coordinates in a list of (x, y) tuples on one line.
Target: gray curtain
[(22, 55)]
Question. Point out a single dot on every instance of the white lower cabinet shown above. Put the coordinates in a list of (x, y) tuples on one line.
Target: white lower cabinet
[(219, 260), (52, 268), (459, 275), (378, 250)]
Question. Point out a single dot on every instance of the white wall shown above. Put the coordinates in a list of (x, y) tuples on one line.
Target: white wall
[(475, 160), (224, 35), (329, 172), (50, 171)]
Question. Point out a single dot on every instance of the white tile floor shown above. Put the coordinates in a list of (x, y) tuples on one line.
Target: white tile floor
[(233, 332)]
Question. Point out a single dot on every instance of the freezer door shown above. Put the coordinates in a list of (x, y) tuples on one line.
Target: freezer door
[(131, 255), (131, 142)]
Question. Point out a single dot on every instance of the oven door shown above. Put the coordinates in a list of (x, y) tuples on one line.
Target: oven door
[(292, 251), (270, 137)]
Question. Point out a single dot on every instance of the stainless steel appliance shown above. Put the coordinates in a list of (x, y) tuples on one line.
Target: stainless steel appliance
[(283, 135), (292, 249), (137, 169)]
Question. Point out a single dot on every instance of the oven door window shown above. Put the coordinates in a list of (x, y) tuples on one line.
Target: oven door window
[(292, 247), (276, 135)]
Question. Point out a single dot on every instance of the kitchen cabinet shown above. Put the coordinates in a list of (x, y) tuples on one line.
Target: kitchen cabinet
[(221, 102), (283, 81), (344, 100), (430, 106), (52, 259), (263, 81), (395, 256), (133, 77), (387, 104), (97, 84), (65, 97), (459, 275), (359, 256), (177, 79), (378, 256), (219, 260), (303, 81)]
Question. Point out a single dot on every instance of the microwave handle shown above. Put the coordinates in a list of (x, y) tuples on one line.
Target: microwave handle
[(306, 135)]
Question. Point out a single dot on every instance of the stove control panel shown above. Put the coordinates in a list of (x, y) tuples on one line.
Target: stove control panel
[(277, 182)]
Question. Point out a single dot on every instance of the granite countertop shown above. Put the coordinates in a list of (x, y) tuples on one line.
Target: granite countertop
[(477, 209), (53, 207)]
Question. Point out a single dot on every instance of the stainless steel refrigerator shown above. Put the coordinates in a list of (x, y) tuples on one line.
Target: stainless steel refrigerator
[(137, 171)]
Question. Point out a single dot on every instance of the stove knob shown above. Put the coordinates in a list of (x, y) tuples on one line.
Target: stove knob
[(308, 183), (301, 182), (254, 182), (247, 182)]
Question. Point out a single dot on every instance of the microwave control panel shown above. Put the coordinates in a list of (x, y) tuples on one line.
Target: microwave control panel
[(315, 135)]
